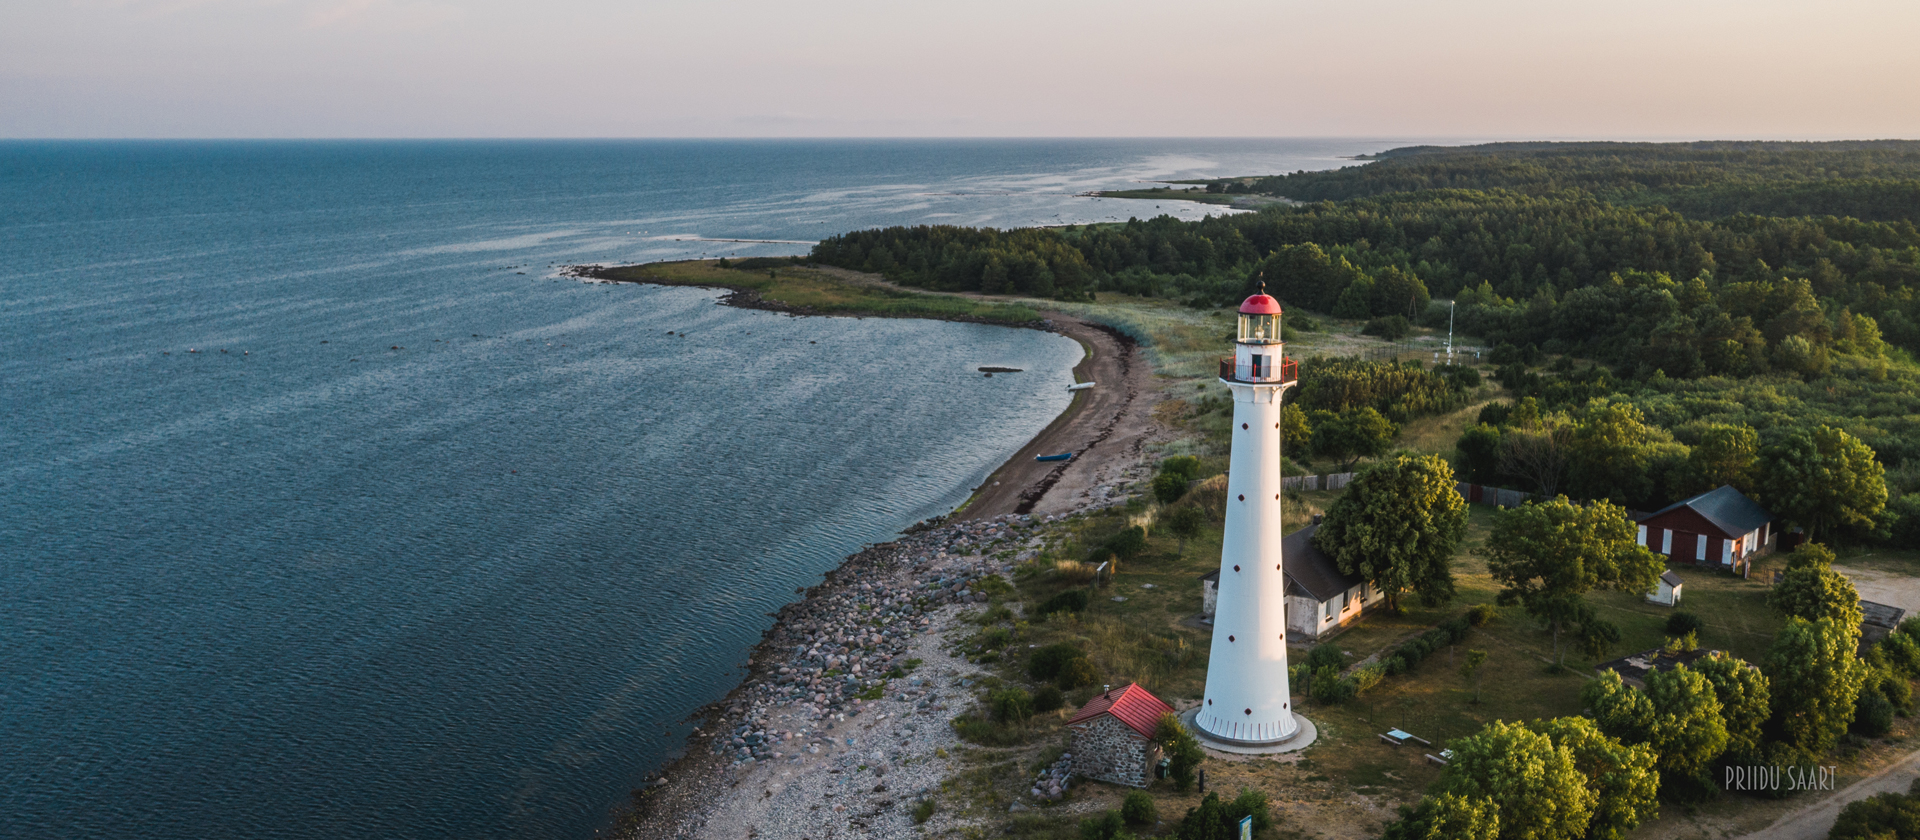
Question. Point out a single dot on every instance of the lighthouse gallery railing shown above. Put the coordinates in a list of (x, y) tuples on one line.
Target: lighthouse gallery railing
[(1289, 371)]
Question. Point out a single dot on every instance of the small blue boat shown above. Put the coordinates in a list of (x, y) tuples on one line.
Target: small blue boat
[(1064, 456)]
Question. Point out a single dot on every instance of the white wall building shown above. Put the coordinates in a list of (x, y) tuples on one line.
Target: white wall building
[(1321, 600)]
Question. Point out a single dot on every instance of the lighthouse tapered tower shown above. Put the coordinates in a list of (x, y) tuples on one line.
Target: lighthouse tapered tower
[(1247, 698)]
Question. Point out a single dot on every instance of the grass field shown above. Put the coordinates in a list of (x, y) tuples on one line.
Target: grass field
[(820, 291)]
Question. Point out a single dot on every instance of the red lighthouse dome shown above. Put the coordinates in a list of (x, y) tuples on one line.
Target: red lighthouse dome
[(1260, 304)]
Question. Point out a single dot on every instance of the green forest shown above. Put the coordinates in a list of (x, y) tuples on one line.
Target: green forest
[(1639, 298)]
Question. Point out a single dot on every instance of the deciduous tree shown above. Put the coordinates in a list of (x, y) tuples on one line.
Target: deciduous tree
[(1619, 709), (1744, 699), (1812, 590), (1823, 479), (1184, 523), (1814, 679), (1539, 790), (1726, 454), (1546, 556), (1622, 776), (1688, 730), (1397, 526), (1353, 434)]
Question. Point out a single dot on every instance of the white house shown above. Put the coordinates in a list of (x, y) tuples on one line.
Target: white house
[(1321, 600)]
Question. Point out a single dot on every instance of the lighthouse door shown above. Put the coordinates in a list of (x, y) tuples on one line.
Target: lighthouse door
[(1259, 367)]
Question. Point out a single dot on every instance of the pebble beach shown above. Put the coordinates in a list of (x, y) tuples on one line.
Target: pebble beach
[(844, 723)]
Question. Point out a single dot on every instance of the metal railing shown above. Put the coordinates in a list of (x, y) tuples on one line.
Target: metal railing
[(1287, 371)]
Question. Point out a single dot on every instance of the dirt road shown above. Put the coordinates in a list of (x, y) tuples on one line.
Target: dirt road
[(1815, 820)]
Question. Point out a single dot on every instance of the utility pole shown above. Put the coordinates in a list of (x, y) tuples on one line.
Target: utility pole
[(1450, 331)]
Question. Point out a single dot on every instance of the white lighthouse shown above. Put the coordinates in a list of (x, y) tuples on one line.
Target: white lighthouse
[(1247, 700)]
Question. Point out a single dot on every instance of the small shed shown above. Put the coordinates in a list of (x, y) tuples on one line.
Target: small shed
[(1666, 590), (1877, 620), (1112, 736), (1721, 528)]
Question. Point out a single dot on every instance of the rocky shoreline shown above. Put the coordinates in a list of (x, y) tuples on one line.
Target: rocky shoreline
[(843, 723)]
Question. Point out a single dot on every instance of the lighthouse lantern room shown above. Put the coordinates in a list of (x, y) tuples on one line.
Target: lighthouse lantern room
[(1247, 698)]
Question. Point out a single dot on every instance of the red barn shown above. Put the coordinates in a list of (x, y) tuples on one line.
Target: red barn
[(1720, 528)]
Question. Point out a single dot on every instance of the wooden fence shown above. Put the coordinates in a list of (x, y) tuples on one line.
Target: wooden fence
[(1330, 481)]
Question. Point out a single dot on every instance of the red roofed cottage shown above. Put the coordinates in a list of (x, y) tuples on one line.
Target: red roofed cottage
[(1113, 736)]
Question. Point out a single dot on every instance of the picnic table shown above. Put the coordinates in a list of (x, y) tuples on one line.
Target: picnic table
[(1397, 737)]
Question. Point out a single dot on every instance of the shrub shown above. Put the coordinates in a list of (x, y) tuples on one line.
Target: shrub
[(1138, 808), (1482, 615), (1182, 751), (922, 811), (1072, 600), (1046, 662), (1326, 655), (992, 638), (1911, 627), (1011, 705), (1896, 688), (1391, 327), (1076, 673), (1413, 651), (1880, 816), (1903, 654), (1326, 685), (1252, 803), (1872, 714), (1107, 826), (1186, 467), (1396, 665), (1456, 629), (1168, 488), (982, 731), (1129, 543), (1436, 639), (1368, 677), (1682, 623), (1048, 698)]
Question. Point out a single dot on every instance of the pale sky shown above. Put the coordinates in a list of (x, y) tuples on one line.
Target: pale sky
[(1626, 69)]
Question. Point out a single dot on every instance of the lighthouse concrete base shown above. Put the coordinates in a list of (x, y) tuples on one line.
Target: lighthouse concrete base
[(1303, 736)]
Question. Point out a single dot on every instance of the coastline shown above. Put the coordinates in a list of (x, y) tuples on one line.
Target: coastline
[(810, 723)]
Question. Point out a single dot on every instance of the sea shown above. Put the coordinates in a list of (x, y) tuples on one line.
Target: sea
[(330, 508)]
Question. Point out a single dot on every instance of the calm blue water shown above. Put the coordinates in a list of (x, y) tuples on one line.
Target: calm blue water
[(424, 541)]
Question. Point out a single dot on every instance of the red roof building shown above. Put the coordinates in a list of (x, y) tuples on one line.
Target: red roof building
[(1112, 736)]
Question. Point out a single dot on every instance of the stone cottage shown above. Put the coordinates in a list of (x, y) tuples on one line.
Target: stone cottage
[(1112, 736)]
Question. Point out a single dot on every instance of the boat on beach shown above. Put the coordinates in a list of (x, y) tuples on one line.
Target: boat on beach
[(1080, 386), (1064, 456)]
